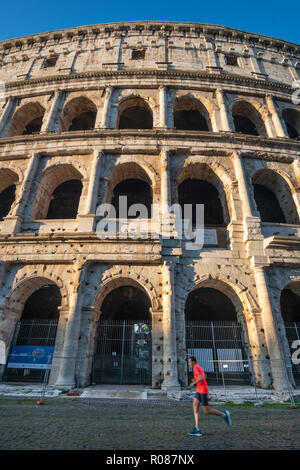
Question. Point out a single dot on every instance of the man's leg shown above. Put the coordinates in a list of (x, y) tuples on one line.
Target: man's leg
[(211, 411), (196, 404)]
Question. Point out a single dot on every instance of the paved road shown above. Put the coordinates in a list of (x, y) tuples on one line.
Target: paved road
[(66, 423)]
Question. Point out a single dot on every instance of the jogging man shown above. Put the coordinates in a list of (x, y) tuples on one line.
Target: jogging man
[(201, 396)]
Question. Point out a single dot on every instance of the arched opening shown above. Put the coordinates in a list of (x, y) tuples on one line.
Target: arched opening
[(34, 337), (290, 311), (59, 190), (65, 200), (123, 341), (273, 198), (8, 180), (215, 336), (136, 191), (135, 113), (7, 197), (247, 119), (190, 114), (196, 191), (27, 120), (267, 204), (291, 118), (79, 114)]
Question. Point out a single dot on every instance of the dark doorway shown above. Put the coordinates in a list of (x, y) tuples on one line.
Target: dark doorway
[(190, 120), (34, 126), (7, 197), (268, 206), (215, 337), (65, 202), (123, 341), (136, 117), (290, 311), (137, 192), (244, 125), (196, 191), (35, 333), (83, 121)]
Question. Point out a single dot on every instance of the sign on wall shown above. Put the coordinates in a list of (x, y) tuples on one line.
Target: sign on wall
[(31, 357)]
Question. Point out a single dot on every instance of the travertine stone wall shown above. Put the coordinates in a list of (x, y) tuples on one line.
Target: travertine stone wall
[(184, 63)]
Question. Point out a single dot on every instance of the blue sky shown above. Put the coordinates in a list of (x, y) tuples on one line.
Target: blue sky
[(271, 18)]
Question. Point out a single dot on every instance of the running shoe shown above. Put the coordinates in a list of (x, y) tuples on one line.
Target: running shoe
[(195, 432), (227, 418)]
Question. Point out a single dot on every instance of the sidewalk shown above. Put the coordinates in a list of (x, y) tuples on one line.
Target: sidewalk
[(234, 394)]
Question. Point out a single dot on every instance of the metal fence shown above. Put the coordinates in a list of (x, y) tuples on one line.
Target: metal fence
[(29, 334), (293, 333), (212, 343), (123, 353)]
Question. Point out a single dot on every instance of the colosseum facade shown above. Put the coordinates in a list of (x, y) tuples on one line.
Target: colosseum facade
[(163, 113)]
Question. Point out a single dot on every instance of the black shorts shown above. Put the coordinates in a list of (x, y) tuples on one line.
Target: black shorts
[(202, 397)]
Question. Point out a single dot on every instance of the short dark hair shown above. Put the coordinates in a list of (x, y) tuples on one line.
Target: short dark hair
[(192, 358)]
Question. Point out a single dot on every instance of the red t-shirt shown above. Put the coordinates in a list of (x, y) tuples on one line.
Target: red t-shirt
[(202, 386)]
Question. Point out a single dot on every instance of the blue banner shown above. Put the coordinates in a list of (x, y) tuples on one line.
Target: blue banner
[(31, 357)]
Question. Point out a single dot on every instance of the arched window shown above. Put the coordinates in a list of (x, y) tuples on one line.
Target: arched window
[(137, 192), (291, 118), (247, 119), (65, 200), (273, 198), (7, 197), (27, 120), (267, 204), (196, 191), (135, 113), (78, 114), (190, 114)]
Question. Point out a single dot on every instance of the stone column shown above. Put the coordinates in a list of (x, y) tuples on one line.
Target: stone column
[(243, 190), (165, 194), (296, 194), (278, 367), (12, 223), (276, 120), (212, 57), (170, 381), (223, 110), (103, 120), (66, 376), (7, 115), (52, 118), (86, 220), (163, 106)]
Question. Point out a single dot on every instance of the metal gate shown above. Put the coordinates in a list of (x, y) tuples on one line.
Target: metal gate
[(219, 348), (123, 353), (31, 333), (293, 333)]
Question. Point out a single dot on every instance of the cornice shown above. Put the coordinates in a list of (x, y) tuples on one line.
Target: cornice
[(160, 27), (212, 77)]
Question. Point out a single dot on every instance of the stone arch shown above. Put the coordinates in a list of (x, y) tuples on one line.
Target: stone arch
[(280, 185), (78, 114), (50, 179), (27, 119), (248, 118), (199, 111), (127, 170), (8, 184), (115, 280), (213, 175), (135, 112), (291, 118)]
